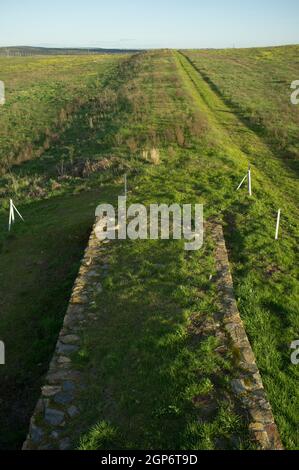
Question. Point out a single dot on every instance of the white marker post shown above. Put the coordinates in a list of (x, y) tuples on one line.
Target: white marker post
[(249, 181), (125, 185), (242, 182), (277, 224), (12, 209), (2, 93), (2, 353)]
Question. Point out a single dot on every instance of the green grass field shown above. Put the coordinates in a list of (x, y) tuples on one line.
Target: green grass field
[(183, 130), (42, 96)]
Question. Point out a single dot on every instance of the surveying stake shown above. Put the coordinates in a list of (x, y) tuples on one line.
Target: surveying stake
[(277, 224), (249, 181), (248, 176), (242, 182)]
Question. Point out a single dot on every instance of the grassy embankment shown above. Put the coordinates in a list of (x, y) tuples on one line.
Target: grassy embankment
[(207, 169), (136, 124), (42, 96), (265, 273), (154, 376), (256, 84), (40, 258)]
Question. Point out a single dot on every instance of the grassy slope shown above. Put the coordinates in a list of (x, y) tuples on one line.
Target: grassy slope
[(57, 195), (265, 272), (42, 95), (152, 380), (35, 282), (37, 273), (256, 83), (156, 103)]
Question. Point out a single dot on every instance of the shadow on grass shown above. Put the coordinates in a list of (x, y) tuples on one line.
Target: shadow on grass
[(153, 379), (39, 260)]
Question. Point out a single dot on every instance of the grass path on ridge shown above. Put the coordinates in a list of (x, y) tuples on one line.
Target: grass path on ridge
[(265, 273), (239, 139)]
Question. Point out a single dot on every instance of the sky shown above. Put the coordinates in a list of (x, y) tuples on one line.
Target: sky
[(149, 24)]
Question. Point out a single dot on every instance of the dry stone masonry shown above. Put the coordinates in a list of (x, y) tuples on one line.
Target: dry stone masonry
[(248, 387)]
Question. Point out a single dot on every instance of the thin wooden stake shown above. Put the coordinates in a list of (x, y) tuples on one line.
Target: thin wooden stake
[(11, 215), (12, 209), (242, 182), (249, 181), (125, 185), (277, 224)]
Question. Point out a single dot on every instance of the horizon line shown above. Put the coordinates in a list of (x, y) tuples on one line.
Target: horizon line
[(144, 48)]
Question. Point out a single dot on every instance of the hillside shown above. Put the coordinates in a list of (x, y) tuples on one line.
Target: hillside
[(183, 129), (25, 51), (256, 83)]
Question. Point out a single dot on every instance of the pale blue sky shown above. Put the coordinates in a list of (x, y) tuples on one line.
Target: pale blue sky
[(149, 24)]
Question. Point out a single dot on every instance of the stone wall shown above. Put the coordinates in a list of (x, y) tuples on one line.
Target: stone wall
[(57, 404), (248, 387)]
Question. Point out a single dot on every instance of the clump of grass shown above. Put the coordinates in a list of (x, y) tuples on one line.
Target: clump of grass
[(155, 156)]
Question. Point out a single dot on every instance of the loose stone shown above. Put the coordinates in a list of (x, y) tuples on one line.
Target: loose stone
[(68, 386), (69, 339), (64, 397), (65, 444), (50, 390), (66, 348), (63, 360), (53, 416)]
